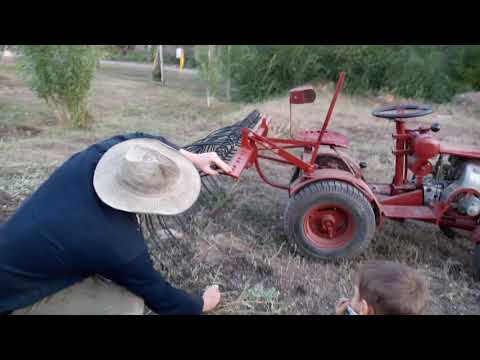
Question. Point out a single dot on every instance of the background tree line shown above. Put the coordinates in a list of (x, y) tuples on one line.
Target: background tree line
[(62, 74)]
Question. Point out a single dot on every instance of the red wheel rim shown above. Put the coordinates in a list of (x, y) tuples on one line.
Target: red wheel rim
[(328, 226)]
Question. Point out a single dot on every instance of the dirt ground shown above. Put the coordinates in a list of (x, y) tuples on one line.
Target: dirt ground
[(241, 245)]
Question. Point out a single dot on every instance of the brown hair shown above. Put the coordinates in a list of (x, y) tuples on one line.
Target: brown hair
[(392, 288)]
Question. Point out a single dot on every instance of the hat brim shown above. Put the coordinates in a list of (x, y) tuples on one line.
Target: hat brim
[(184, 193)]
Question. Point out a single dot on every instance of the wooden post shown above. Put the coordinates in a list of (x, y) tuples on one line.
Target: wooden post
[(210, 56), (161, 63), (149, 51), (158, 65)]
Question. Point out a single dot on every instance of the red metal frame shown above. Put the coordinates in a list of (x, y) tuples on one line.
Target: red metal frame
[(253, 138), (329, 116), (401, 199)]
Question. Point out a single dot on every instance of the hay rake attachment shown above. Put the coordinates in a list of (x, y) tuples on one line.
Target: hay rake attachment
[(164, 231)]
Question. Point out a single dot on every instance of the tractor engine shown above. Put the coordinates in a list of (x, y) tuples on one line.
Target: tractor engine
[(448, 177)]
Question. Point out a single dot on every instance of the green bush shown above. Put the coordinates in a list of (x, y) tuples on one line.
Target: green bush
[(468, 68), (62, 76), (144, 56), (209, 67), (430, 72), (113, 53), (261, 71)]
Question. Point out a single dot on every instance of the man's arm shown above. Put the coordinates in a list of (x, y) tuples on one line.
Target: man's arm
[(203, 162), (140, 277), (158, 137)]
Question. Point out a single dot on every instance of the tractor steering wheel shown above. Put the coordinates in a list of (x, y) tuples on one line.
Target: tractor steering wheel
[(402, 111)]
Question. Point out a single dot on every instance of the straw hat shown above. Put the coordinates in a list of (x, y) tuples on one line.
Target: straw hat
[(145, 176)]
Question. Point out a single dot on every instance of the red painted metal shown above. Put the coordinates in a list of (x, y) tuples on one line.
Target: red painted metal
[(329, 226), (272, 146), (273, 159), (442, 208), (425, 147), (333, 161), (330, 138), (401, 199), (241, 161), (308, 138), (265, 179), (458, 150), (245, 156), (424, 213), (400, 154), (340, 82), (476, 235), (422, 148), (381, 189), (411, 198), (340, 175), (302, 95)]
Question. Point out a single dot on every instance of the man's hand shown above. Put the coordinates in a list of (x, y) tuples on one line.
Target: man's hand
[(204, 162), (211, 298), (341, 306)]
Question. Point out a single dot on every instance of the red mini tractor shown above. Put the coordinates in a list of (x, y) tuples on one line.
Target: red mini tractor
[(333, 212)]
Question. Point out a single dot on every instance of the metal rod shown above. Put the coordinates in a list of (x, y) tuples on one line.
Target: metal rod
[(264, 178), (328, 117)]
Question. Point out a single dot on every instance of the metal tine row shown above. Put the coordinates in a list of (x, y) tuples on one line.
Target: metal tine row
[(224, 142)]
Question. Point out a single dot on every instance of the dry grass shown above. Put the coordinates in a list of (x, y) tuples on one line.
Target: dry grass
[(242, 247)]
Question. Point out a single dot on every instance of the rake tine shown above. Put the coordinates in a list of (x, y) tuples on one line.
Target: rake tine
[(216, 186), (205, 198), (153, 245), (210, 191), (151, 227), (166, 228), (224, 142)]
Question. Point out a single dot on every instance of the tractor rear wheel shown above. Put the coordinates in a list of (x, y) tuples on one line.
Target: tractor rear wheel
[(329, 219), (476, 262)]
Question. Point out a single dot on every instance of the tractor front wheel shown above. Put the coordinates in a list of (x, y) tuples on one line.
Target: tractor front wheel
[(329, 219)]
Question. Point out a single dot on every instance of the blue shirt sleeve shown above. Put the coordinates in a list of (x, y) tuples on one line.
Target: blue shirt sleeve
[(161, 138), (140, 277)]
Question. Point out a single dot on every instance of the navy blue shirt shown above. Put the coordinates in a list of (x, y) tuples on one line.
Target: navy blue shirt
[(64, 233)]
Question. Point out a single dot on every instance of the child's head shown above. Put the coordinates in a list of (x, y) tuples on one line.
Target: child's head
[(388, 288)]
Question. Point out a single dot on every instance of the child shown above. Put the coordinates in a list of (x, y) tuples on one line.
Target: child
[(386, 288)]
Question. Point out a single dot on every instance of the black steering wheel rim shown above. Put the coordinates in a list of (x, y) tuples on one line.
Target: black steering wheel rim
[(421, 110)]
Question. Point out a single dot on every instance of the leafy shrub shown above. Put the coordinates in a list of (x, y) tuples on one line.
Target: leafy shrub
[(209, 67), (62, 76), (431, 72), (261, 71)]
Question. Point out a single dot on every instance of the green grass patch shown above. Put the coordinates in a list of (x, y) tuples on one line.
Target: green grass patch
[(13, 114)]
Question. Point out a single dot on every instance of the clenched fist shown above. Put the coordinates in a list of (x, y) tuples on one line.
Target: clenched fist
[(205, 161), (211, 298)]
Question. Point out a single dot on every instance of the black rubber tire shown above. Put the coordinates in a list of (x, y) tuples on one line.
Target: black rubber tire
[(331, 191), (476, 262)]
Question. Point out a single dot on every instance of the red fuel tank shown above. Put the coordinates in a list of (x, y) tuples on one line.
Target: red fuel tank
[(424, 148)]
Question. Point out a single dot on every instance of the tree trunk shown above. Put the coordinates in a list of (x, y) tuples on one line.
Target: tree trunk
[(161, 64), (149, 50), (158, 65), (229, 81), (210, 55)]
